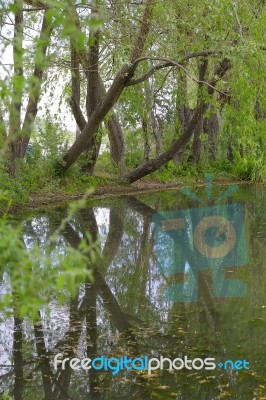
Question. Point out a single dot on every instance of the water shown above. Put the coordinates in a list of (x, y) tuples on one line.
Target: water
[(147, 295)]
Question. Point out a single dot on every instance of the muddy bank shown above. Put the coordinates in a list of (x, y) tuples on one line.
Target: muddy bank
[(40, 199)]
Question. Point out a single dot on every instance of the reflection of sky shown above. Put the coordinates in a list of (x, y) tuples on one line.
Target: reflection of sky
[(56, 322), (118, 277), (102, 218), (6, 329)]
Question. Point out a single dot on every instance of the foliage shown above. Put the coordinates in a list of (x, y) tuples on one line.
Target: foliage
[(179, 31), (22, 269)]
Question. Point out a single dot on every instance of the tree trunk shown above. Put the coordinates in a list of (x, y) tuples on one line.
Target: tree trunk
[(16, 105), (20, 136), (147, 147), (77, 131), (211, 128), (111, 97), (230, 154), (92, 100), (115, 134), (92, 154), (196, 145), (153, 165), (116, 140), (185, 115), (182, 113), (157, 129), (180, 143)]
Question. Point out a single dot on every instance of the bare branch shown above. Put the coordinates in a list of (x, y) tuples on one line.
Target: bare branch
[(148, 74), (164, 80), (167, 63)]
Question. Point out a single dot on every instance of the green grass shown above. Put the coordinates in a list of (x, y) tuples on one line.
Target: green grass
[(38, 177)]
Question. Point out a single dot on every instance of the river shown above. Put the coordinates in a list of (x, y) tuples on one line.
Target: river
[(168, 275)]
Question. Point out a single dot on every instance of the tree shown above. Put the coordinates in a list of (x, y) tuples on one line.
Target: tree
[(92, 44), (226, 45), (18, 129), (119, 83)]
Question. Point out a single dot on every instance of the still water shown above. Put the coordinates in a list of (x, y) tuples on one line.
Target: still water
[(148, 293)]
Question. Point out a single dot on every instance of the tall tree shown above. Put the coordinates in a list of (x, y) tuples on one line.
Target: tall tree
[(119, 83), (25, 87)]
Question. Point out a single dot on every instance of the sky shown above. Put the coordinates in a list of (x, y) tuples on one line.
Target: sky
[(51, 99)]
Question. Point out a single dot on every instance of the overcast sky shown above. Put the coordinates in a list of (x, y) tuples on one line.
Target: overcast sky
[(50, 100)]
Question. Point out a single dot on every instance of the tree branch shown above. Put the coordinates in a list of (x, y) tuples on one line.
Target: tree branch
[(201, 53), (178, 144), (138, 46), (148, 74), (75, 90), (112, 95), (167, 63)]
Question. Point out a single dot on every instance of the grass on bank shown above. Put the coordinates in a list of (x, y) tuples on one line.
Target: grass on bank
[(36, 176)]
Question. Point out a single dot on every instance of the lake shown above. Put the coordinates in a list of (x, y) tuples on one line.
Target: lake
[(166, 274)]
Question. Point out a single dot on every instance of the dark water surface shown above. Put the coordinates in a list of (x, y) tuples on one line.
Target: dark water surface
[(149, 294)]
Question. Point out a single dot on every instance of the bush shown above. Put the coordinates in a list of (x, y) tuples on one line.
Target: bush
[(171, 172)]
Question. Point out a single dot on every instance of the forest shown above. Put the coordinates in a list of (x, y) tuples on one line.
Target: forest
[(157, 90)]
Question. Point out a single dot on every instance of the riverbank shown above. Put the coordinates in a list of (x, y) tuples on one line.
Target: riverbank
[(48, 197)]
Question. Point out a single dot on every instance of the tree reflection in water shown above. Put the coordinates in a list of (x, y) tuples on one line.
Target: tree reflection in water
[(122, 311)]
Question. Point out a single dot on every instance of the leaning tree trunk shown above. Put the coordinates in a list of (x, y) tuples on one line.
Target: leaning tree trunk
[(116, 139), (177, 145), (155, 164), (119, 83)]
